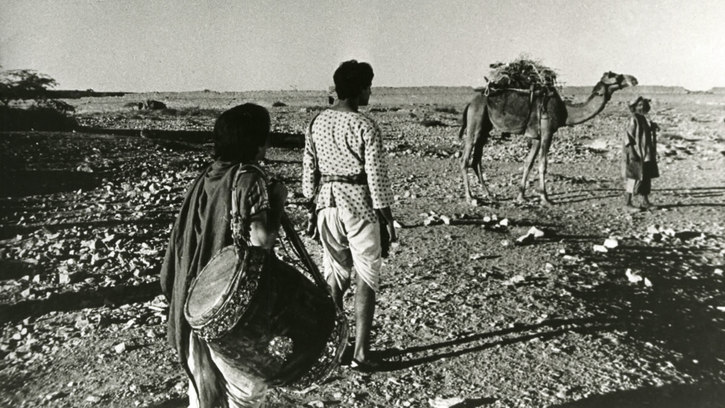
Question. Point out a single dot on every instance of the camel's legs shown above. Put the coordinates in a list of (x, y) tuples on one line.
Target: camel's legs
[(546, 136), (529, 163), (481, 133), (465, 160)]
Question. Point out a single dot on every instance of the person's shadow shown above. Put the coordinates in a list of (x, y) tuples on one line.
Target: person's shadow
[(398, 359)]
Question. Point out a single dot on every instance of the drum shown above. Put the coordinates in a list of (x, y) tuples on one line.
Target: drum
[(266, 318)]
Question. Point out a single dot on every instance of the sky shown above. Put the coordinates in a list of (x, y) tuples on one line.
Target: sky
[(187, 45)]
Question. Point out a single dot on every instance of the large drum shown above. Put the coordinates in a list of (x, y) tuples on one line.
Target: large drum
[(266, 318)]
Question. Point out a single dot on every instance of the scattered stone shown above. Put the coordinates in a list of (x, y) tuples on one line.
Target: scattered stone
[(600, 248), (537, 233), (611, 243), (633, 277), (93, 399), (446, 220), (82, 323), (504, 222), (474, 202), (514, 280), (440, 402), (718, 271), (119, 348), (525, 239), (55, 395)]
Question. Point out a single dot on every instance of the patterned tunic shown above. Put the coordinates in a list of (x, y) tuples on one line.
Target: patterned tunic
[(347, 144)]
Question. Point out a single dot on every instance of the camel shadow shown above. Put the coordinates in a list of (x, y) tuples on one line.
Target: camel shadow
[(677, 310), (399, 359), (668, 396), (576, 196)]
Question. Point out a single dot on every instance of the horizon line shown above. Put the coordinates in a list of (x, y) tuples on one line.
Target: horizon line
[(712, 88)]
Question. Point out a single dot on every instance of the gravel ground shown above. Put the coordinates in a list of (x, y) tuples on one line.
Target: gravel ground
[(466, 316)]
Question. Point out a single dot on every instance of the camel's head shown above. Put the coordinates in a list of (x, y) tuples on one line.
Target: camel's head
[(611, 82)]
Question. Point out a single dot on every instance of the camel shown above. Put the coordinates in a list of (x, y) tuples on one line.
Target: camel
[(537, 113)]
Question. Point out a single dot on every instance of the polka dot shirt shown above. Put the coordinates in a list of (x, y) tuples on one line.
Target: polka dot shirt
[(347, 144)]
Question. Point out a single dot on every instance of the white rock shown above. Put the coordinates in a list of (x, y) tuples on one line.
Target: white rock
[(119, 348), (446, 219), (537, 233), (611, 243), (55, 395), (647, 283), (718, 272), (524, 239), (548, 266), (504, 222), (600, 248), (633, 277), (396, 224), (440, 402), (487, 219), (474, 202)]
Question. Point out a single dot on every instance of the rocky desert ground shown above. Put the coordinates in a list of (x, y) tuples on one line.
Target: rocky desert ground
[(502, 304)]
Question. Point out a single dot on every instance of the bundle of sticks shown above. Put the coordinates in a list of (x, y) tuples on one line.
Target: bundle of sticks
[(521, 73)]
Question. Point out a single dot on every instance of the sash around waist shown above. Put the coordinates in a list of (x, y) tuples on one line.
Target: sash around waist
[(354, 179)]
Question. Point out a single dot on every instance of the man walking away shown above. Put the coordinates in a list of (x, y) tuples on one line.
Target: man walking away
[(344, 166)]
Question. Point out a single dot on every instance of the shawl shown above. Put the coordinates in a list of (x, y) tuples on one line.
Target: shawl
[(641, 137), (200, 231)]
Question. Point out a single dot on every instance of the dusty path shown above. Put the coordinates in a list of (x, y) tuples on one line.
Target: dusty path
[(463, 313)]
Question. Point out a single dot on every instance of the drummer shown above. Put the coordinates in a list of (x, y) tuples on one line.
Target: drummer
[(241, 136)]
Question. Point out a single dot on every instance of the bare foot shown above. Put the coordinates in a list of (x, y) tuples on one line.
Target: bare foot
[(631, 208), (545, 201)]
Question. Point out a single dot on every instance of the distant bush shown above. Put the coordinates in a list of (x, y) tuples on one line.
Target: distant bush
[(279, 104), (431, 123), (44, 113), (446, 109)]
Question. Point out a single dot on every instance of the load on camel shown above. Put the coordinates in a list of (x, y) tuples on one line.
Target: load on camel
[(522, 98)]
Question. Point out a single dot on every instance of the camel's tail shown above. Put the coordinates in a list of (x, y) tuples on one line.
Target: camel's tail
[(464, 123)]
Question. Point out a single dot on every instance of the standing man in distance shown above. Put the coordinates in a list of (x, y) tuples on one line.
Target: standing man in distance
[(640, 155), (344, 166)]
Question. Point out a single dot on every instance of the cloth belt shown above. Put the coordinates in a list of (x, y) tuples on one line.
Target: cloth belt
[(354, 179)]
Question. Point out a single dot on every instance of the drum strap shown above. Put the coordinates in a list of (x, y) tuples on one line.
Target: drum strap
[(239, 222)]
